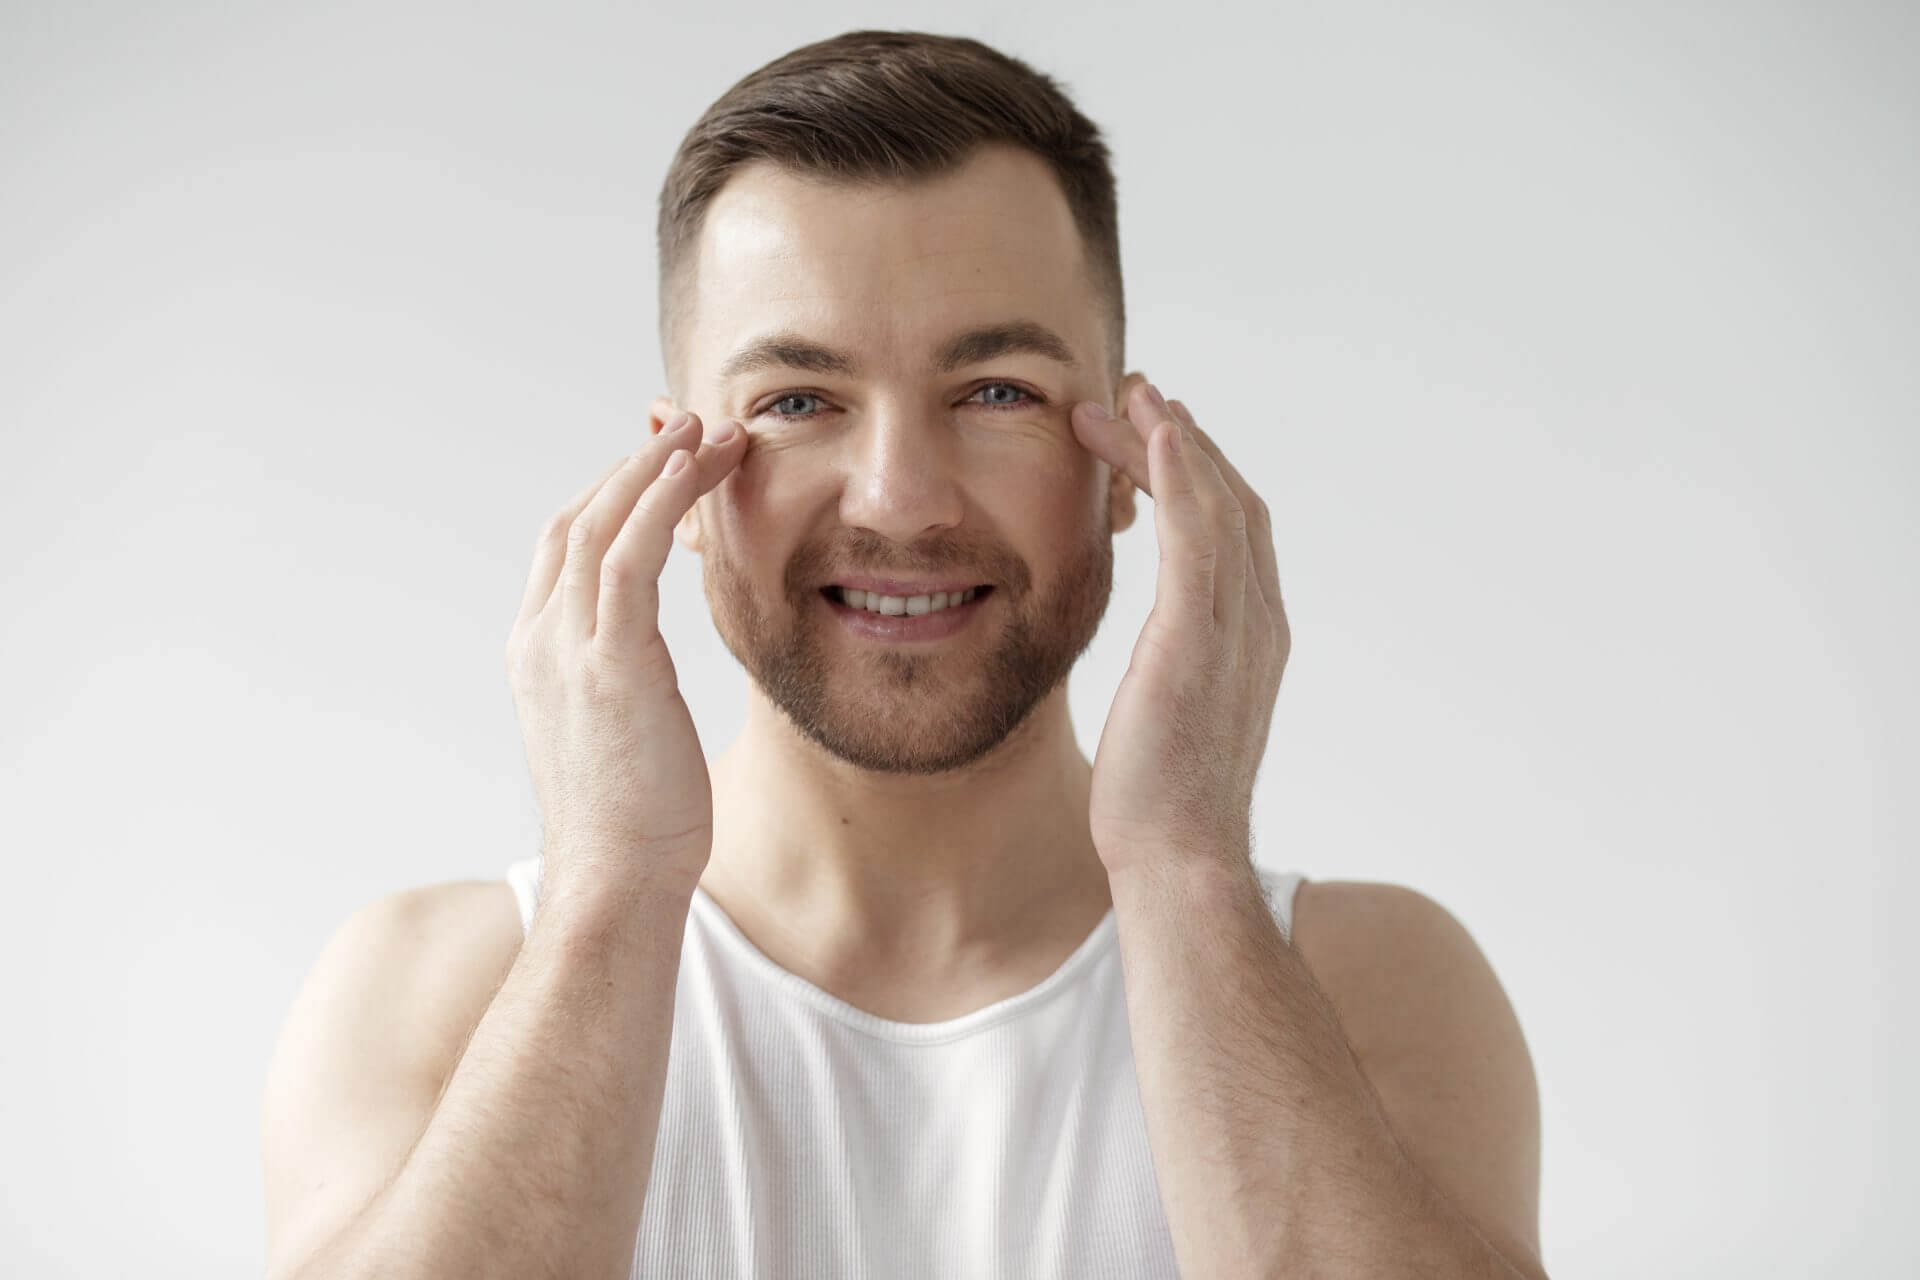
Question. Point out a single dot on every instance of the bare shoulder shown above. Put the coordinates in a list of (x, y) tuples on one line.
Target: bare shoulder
[(370, 1041), (462, 937), (479, 915), (1436, 1035), (478, 919), (1329, 917), (435, 953), (1372, 946), (1334, 919), (426, 959)]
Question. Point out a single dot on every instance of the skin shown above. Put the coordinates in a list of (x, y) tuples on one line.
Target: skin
[(917, 831), (907, 829)]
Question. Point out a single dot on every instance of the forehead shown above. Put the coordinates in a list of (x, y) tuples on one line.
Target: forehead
[(888, 270)]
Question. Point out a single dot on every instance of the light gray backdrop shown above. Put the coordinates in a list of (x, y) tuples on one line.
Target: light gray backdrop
[(1572, 346)]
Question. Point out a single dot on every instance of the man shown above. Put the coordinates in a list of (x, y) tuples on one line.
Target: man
[(900, 983)]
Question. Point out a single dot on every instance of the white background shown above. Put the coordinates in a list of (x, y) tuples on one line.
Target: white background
[(1574, 349)]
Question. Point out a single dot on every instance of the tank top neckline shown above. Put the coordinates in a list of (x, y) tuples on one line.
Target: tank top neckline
[(1079, 961)]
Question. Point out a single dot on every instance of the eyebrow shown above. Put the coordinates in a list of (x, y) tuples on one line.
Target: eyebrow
[(787, 349)]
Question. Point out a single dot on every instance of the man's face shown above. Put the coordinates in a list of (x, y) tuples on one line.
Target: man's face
[(901, 468)]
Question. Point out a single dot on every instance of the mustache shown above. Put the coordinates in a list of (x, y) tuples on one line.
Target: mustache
[(940, 558)]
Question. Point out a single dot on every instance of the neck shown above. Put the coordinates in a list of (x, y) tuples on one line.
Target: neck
[(836, 871)]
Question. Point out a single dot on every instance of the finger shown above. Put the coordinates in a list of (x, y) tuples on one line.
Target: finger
[(550, 548), (1123, 395), (593, 530), (1140, 408), (1116, 440), (629, 606), (1225, 522), (723, 448), (1113, 440), (1266, 575), (1228, 525), (1188, 551), (629, 600)]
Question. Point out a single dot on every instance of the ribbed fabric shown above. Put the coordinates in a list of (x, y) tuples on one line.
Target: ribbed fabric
[(802, 1137)]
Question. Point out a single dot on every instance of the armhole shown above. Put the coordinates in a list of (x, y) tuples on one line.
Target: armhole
[(1279, 887), (524, 877)]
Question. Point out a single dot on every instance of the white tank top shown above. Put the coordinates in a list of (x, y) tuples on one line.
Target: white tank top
[(800, 1136)]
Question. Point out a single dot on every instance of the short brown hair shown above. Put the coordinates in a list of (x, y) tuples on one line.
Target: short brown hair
[(886, 107)]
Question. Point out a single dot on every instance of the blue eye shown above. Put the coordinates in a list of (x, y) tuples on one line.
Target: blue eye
[(1031, 398)]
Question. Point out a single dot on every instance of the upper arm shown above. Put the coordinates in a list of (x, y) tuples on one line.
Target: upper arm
[(366, 1048), (1439, 1041)]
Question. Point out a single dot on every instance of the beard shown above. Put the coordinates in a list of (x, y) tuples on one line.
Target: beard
[(912, 709)]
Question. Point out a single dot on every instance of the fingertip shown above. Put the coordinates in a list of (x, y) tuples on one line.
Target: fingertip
[(1174, 467), (1097, 429)]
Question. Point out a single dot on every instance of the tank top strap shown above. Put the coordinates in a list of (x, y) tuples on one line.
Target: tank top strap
[(524, 876), (1279, 888)]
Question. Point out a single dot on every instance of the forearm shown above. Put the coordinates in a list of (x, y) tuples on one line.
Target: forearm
[(1273, 1153), (536, 1158)]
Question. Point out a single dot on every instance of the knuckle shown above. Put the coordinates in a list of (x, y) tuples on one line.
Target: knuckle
[(641, 667), (580, 533), (616, 574)]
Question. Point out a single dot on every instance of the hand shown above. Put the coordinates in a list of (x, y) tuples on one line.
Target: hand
[(1173, 776), (616, 762)]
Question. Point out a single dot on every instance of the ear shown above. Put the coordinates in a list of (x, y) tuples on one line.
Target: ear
[(1120, 495), (688, 532)]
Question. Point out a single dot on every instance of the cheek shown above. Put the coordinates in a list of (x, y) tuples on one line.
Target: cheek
[(1067, 483), (749, 498), (1055, 505)]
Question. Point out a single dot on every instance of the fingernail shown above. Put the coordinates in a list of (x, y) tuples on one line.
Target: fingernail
[(1159, 401), (677, 421), (723, 433), (1096, 410), (1173, 438)]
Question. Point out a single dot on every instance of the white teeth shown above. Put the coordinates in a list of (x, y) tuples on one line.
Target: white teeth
[(896, 606)]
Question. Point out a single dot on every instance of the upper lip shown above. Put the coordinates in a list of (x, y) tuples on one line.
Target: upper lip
[(896, 587)]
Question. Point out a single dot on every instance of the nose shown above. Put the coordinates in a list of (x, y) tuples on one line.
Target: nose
[(900, 476)]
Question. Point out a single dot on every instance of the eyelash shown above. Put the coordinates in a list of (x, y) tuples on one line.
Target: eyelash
[(1032, 398)]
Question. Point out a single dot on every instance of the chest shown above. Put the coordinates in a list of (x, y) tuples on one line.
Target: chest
[(796, 1143)]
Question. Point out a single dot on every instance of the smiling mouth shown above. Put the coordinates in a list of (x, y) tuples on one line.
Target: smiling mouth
[(899, 606)]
